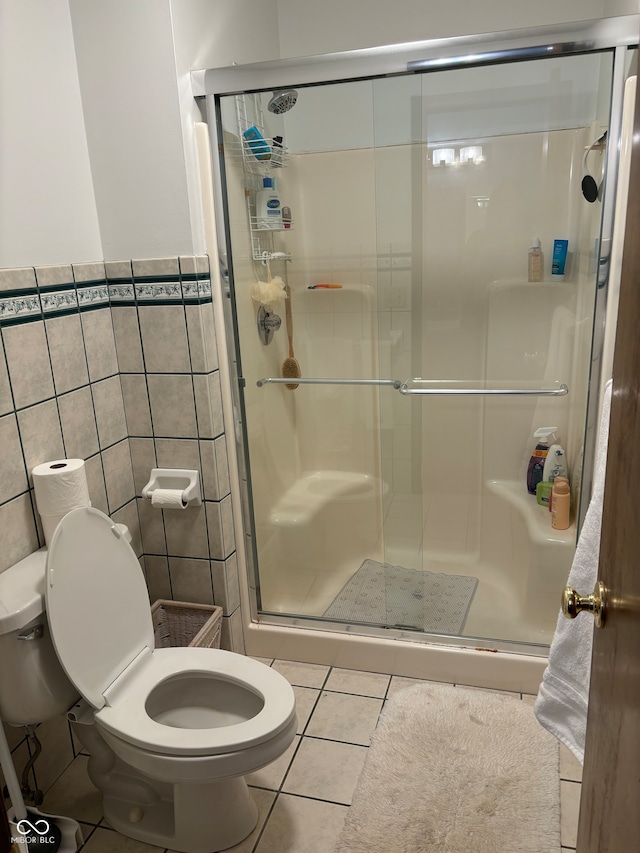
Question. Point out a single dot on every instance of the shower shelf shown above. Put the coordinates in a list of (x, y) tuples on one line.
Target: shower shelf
[(536, 517)]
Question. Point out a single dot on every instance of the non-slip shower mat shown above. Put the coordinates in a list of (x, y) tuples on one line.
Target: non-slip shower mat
[(397, 597)]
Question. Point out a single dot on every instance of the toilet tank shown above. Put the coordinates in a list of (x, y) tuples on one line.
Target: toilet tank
[(33, 685)]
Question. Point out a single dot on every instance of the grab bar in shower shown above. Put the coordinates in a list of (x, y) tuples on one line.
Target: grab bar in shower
[(272, 380), (404, 388)]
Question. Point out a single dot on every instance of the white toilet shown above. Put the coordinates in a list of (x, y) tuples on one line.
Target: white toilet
[(171, 732)]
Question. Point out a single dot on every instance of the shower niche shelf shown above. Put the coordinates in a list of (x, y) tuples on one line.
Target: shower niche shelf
[(537, 518)]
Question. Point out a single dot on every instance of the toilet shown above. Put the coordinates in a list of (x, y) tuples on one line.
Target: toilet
[(171, 732)]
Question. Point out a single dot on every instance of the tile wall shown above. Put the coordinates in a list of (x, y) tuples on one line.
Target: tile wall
[(165, 340), (117, 364)]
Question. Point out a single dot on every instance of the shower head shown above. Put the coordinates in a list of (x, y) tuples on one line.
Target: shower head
[(282, 101)]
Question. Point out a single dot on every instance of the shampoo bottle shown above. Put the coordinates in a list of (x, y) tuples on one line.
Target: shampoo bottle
[(535, 470), (555, 464), (561, 505), (268, 212), (535, 260)]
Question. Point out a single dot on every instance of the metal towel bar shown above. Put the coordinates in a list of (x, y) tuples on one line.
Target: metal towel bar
[(403, 387)]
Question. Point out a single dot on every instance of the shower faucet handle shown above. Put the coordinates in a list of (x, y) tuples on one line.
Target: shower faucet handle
[(268, 324)]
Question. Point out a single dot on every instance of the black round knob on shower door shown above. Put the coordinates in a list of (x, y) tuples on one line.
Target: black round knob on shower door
[(589, 188)]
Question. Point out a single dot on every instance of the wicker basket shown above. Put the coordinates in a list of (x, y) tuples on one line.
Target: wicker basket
[(179, 623)]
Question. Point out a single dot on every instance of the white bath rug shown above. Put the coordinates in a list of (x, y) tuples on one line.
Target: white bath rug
[(382, 594), (456, 770)]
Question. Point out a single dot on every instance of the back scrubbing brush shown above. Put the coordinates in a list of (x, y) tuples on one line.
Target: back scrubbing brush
[(590, 189)]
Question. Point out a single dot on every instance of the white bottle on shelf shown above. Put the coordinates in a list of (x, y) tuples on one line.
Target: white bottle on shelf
[(268, 210)]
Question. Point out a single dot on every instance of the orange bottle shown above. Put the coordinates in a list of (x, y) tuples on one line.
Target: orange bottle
[(561, 506), (557, 480)]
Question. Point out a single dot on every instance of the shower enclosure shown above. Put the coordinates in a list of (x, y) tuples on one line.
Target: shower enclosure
[(385, 489)]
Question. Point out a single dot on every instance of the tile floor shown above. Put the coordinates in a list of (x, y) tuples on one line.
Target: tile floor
[(304, 796)]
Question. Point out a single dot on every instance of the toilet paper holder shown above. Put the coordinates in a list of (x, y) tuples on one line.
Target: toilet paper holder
[(180, 479)]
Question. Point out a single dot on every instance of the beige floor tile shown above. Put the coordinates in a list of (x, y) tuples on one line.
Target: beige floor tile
[(340, 716), (73, 795), (569, 811), (306, 698), (399, 682), (272, 775), (57, 751), (302, 674), (570, 767), (264, 801), (325, 770), (265, 661), (297, 825), (109, 841), (360, 683)]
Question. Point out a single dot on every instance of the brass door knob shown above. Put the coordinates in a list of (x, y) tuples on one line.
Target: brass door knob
[(572, 603)]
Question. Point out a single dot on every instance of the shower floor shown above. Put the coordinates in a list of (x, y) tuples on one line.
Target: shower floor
[(455, 535)]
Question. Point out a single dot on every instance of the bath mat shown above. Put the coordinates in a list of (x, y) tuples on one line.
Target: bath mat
[(456, 770), (405, 598)]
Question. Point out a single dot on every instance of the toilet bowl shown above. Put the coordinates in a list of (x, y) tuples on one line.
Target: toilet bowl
[(171, 732)]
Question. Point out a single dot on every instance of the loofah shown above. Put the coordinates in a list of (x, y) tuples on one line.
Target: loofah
[(268, 293)]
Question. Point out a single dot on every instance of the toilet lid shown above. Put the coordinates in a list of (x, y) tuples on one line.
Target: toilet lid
[(97, 602)]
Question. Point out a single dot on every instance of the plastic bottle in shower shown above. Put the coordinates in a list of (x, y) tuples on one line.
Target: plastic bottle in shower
[(535, 260), (561, 505), (535, 470), (268, 211)]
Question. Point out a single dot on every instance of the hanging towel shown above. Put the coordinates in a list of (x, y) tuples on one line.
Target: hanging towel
[(563, 697)]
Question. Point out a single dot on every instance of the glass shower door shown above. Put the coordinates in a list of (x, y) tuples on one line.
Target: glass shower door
[(387, 489)]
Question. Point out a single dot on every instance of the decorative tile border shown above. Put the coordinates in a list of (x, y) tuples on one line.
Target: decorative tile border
[(20, 308), (196, 290), (59, 301), (21, 305), (93, 295), (122, 293), (158, 292)]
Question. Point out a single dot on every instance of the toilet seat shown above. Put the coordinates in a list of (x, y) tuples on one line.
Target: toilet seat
[(101, 627), (125, 714), (97, 602)]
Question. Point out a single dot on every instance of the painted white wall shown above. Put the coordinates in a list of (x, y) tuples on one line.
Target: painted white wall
[(130, 96), (209, 35), (47, 204), (134, 61), (620, 7), (308, 27)]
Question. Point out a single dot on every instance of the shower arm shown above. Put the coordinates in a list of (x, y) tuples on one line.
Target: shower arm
[(403, 387)]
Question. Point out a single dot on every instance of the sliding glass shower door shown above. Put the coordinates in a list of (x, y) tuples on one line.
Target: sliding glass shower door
[(388, 480)]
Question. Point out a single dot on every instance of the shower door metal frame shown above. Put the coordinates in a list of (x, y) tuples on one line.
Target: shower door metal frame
[(616, 34)]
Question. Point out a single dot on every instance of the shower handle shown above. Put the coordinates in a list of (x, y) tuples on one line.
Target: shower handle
[(561, 391), (403, 387)]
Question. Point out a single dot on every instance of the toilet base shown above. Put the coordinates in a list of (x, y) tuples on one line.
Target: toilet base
[(203, 818)]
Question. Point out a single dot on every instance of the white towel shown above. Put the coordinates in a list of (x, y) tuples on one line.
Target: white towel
[(563, 697)]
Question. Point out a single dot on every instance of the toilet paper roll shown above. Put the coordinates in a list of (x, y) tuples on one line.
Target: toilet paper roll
[(168, 499), (60, 486)]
